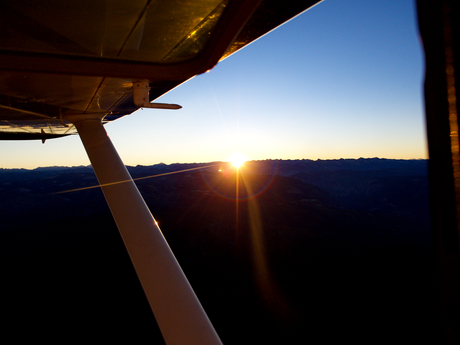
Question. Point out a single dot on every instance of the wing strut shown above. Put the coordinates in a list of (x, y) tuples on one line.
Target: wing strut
[(177, 310)]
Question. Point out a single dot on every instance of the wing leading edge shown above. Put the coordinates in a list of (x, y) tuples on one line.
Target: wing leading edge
[(63, 59)]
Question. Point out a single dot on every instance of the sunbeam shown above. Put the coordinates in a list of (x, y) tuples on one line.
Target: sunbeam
[(266, 284), (134, 179)]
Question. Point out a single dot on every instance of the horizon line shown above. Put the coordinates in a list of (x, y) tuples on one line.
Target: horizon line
[(223, 161)]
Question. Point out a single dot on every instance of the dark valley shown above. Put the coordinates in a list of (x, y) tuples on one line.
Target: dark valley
[(313, 251)]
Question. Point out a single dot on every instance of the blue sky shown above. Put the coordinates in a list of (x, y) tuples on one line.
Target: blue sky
[(342, 80)]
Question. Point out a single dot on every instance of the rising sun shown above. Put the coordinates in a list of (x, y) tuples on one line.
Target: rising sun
[(237, 159)]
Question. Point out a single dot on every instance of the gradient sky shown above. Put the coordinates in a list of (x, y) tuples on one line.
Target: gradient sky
[(342, 80)]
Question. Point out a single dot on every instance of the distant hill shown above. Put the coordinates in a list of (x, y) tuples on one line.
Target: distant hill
[(316, 250)]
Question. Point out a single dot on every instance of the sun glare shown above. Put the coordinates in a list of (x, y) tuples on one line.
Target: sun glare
[(237, 159)]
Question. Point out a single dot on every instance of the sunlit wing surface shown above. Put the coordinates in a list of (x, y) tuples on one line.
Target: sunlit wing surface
[(65, 57), (66, 66)]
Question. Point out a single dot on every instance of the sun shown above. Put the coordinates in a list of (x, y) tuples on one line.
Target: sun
[(237, 159)]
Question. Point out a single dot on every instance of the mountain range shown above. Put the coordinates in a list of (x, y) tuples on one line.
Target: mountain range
[(277, 251)]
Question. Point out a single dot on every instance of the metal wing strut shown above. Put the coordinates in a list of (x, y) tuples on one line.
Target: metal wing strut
[(177, 310)]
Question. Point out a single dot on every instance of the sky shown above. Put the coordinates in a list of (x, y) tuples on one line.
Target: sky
[(342, 80)]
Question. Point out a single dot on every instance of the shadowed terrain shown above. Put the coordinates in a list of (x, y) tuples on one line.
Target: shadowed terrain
[(313, 252)]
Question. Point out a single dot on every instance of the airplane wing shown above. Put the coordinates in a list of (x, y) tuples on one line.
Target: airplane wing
[(64, 57), (68, 67), (63, 61)]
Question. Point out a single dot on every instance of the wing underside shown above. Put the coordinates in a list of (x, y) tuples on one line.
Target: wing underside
[(63, 57)]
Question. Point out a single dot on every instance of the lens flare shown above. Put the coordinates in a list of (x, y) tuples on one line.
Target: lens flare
[(237, 159)]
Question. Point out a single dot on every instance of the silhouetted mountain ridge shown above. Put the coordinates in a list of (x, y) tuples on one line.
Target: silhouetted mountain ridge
[(307, 243)]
